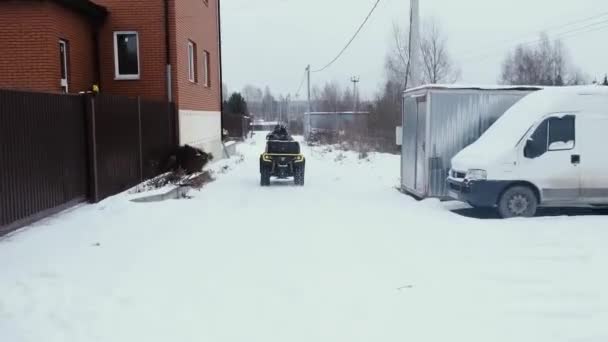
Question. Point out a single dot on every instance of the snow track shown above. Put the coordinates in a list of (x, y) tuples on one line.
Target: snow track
[(345, 258)]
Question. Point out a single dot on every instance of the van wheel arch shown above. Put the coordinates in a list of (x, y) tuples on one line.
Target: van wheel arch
[(520, 183)]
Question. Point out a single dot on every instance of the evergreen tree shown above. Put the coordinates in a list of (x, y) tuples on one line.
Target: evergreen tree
[(236, 105), (605, 80)]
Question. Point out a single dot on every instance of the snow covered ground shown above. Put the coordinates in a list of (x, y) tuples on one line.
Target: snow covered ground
[(345, 258)]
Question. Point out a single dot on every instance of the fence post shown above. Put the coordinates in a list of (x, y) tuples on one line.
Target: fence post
[(139, 136), (93, 181)]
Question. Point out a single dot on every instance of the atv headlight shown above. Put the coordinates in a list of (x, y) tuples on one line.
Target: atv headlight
[(266, 157), (476, 174), (299, 158)]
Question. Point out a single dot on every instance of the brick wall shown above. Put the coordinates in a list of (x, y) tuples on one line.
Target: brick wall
[(78, 32), (145, 17), (40, 25), (196, 20), (36, 66)]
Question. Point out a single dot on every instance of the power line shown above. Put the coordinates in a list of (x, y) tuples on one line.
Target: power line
[(351, 40), (597, 26), (509, 42), (580, 21), (569, 34)]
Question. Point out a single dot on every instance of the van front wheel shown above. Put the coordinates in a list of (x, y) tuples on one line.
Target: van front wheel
[(518, 201)]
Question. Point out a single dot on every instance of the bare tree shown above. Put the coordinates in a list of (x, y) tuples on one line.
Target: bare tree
[(542, 63), (347, 102), (330, 97), (437, 64), (438, 67), (397, 59), (254, 96), (269, 105), (252, 93), (225, 91), (315, 95)]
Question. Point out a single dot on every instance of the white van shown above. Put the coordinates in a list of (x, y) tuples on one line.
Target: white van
[(549, 150)]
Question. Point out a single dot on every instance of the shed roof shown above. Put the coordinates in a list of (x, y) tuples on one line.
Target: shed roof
[(475, 87)]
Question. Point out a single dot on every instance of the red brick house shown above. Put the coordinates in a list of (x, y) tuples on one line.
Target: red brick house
[(156, 49)]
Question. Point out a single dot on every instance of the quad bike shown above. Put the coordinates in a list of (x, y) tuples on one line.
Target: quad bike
[(282, 159)]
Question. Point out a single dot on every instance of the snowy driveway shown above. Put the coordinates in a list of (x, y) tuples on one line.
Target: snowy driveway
[(346, 258)]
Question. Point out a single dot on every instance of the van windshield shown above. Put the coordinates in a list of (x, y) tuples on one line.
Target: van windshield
[(524, 135), (507, 130), (510, 128)]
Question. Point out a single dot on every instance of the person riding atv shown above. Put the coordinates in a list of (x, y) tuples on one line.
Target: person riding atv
[(282, 158), (279, 133)]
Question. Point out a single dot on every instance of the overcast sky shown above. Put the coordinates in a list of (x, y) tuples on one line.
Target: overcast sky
[(269, 42)]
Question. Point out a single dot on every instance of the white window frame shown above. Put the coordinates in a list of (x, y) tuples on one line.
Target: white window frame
[(191, 61), (206, 68), (117, 75), (64, 82)]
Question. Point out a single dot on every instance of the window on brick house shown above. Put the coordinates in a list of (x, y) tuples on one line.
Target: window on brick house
[(207, 69), (126, 55), (192, 70), (63, 65)]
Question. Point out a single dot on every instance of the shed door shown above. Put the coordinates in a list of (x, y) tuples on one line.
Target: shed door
[(408, 147), (421, 146)]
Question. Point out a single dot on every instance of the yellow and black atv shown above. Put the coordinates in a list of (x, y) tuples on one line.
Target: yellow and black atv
[(283, 160)]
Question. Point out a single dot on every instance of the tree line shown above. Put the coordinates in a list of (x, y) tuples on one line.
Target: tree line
[(543, 62)]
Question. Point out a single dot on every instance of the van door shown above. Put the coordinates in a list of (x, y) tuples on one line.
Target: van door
[(594, 159), (551, 160)]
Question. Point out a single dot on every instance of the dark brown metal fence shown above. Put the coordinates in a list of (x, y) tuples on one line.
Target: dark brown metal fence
[(58, 150), (117, 140), (43, 159), (158, 133)]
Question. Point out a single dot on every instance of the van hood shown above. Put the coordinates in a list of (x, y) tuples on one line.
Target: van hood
[(478, 156)]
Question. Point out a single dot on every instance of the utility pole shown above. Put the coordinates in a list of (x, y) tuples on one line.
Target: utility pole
[(355, 80), (308, 86), (414, 79)]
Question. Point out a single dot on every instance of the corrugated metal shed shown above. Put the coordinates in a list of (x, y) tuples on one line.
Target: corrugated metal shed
[(441, 120)]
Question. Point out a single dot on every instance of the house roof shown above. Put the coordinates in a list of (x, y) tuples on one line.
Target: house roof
[(86, 7)]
